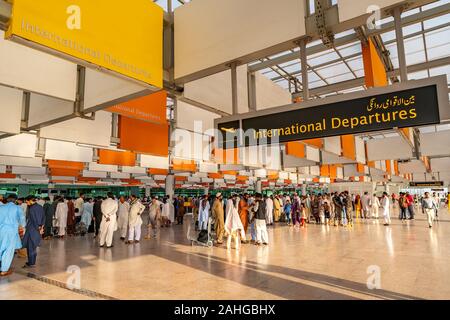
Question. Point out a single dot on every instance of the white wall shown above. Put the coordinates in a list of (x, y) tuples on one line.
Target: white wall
[(93, 132), (270, 94), (388, 148), (66, 151), (23, 68), (21, 145), (215, 90), (435, 143), (10, 110), (213, 32), (188, 115), (44, 108), (353, 187), (101, 88)]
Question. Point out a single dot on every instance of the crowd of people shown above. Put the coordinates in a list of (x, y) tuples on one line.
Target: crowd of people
[(25, 221)]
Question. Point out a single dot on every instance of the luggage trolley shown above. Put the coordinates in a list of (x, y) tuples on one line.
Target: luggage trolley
[(193, 235)]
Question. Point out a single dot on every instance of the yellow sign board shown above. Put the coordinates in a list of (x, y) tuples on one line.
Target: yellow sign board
[(124, 37)]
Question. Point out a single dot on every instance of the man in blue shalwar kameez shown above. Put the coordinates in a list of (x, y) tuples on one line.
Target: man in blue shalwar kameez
[(34, 230), (11, 217)]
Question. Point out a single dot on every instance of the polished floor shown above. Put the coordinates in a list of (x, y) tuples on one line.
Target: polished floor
[(318, 262)]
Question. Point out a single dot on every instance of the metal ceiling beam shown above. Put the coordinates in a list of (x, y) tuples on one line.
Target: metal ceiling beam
[(390, 26), (203, 106), (360, 81)]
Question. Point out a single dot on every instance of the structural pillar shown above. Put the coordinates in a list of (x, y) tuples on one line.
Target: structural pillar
[(400, 44), (258, 186), (170, 186), (304, 189), (147, 191), (304, 66), (234, 88), (251, 84), (206, 191)]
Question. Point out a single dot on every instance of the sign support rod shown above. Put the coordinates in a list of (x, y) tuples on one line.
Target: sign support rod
[(304, 67), (400, 43), (234, 88)]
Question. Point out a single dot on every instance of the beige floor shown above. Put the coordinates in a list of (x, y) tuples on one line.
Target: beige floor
[(318, 262)]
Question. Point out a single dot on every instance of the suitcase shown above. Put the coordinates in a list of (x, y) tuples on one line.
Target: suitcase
[(203, 236)]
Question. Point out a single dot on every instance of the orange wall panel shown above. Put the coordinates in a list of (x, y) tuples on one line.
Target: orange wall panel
[(144, 137), (118, 158), (314, 142), (348, 146), (58, 164), (333, 171), (360, 168), (228, 156), (184, 165), (161, 172), (295, 149), (150, 108), (324, 171), (215, 175), (7, 176), (65, 172)]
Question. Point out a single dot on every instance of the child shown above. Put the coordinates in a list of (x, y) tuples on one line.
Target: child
[(304, 216), (287, 211)]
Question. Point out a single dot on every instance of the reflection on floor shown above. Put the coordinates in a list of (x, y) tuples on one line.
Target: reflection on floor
[(319, 262)]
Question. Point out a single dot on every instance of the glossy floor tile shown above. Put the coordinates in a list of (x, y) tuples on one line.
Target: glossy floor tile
[(318, 262)]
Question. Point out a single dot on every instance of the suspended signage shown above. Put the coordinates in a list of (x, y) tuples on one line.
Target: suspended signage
[(406, 105), (427, 184), (126, 39)]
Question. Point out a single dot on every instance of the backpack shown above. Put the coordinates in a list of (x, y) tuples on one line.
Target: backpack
[(403, 202)]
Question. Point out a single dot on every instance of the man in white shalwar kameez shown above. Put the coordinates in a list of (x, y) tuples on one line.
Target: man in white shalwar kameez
[(168, 213), (109, 221), (61, 217), (122, 220), (233, 225), (269, 211), (386, 207), (135, 220), (375, 205)]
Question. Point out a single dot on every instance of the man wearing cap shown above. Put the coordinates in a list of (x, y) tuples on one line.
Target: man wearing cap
[(218, 216), (11, 218), (34, 230)]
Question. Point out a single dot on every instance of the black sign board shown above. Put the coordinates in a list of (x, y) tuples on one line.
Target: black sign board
[(427, 184), (397, 109)]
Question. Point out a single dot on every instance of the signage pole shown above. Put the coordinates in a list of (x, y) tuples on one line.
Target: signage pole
[(304, 66), (234, 88), (400, 43)]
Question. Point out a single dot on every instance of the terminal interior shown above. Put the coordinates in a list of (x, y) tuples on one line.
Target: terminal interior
[(149, 120)]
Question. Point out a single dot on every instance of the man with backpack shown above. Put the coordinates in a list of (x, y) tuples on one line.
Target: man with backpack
[(403, 202), (410, 199)]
